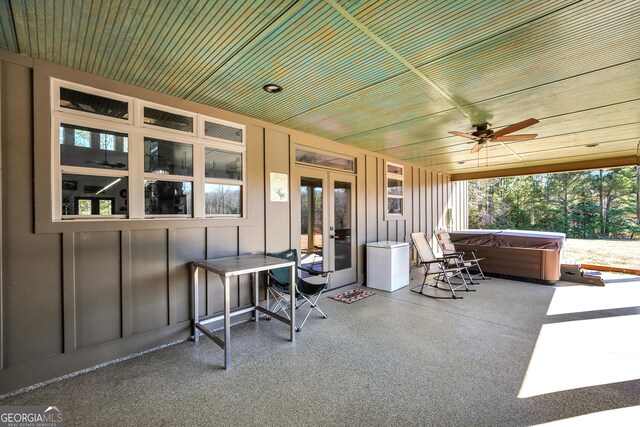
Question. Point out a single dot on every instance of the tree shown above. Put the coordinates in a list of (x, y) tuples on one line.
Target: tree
[(588, 204)]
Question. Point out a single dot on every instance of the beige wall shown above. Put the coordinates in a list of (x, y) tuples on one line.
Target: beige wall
[(78, 293)]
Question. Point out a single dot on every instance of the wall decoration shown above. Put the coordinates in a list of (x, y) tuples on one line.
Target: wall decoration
[(69, 185), (279, 187)]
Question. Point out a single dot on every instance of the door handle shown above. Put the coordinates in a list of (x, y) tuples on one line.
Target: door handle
[(331, 236)]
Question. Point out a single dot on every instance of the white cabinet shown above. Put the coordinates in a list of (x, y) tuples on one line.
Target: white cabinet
[(387, 265)]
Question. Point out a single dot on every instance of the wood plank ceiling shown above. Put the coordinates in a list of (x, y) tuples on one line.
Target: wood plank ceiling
[(387, 76)]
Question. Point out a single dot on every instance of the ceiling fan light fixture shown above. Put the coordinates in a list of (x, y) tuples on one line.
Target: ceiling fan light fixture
[(272, 88), (484, 134)]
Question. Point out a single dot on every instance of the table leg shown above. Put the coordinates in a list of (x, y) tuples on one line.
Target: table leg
[(292, 280), (227, 325), (267, 303), (256, 297), (196, 302)]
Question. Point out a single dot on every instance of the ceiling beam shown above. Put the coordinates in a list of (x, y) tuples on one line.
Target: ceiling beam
[(512, 152), (615, 162), (396, 55)]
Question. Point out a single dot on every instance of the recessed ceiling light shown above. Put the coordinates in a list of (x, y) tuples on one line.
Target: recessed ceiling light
[(591, 145), (272, 88)]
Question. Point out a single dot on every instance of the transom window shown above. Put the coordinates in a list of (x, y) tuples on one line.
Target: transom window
[(325, 160), (117, 157), (93, 104)]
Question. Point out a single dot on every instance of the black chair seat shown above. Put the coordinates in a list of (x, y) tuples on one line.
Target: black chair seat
[(278, 285)]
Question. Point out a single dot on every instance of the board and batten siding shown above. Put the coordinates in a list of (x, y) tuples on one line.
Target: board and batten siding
[(80, 293)]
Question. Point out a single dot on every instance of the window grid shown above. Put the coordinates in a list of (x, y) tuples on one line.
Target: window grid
[(139, 181), (394, 186)]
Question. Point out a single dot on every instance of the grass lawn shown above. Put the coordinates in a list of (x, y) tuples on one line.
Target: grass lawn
[(618, 253)]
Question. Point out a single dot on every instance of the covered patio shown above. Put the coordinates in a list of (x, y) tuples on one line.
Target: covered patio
[(137, 137), (512, 353)]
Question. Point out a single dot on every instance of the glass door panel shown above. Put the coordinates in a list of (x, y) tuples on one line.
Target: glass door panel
[(311, 224), (342, 223), (342, 220)]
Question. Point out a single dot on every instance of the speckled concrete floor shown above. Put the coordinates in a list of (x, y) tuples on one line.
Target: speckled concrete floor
[(391, 359)]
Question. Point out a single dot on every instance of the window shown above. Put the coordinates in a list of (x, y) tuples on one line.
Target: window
[(93, 104), (168, 120), (326, 160), (223, 131), (221, 199), (114, 161), (223, 173), (168, 157), (162, 197), (93, 168), (108, 142), (95, 206), (81, 138), (93, 195), (93, 148), (166, 164), (222, 164), (395, 189)]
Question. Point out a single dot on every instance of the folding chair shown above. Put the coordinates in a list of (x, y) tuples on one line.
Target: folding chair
[(278, 287), (448, 248), (439, 266)]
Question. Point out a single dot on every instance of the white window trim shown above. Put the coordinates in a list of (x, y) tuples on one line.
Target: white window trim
[(136, 131), (400, 177)]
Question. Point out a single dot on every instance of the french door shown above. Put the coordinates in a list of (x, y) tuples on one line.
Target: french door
[(324, 210)]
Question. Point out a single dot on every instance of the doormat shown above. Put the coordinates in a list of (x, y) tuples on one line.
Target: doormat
[(352, 295)]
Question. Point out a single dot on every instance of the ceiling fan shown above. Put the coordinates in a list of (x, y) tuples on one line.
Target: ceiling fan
[(106, 163), (484, 134)]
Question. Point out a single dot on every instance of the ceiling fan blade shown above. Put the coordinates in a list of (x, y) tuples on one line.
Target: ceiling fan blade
[(477, 147), (106, 164), (464, 135), (509, 138), (515, 127)]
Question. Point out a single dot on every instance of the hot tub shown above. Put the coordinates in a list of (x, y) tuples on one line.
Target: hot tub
[(530, 255)]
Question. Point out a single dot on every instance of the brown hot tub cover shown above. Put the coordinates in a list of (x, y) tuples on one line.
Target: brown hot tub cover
[(515, 253)]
